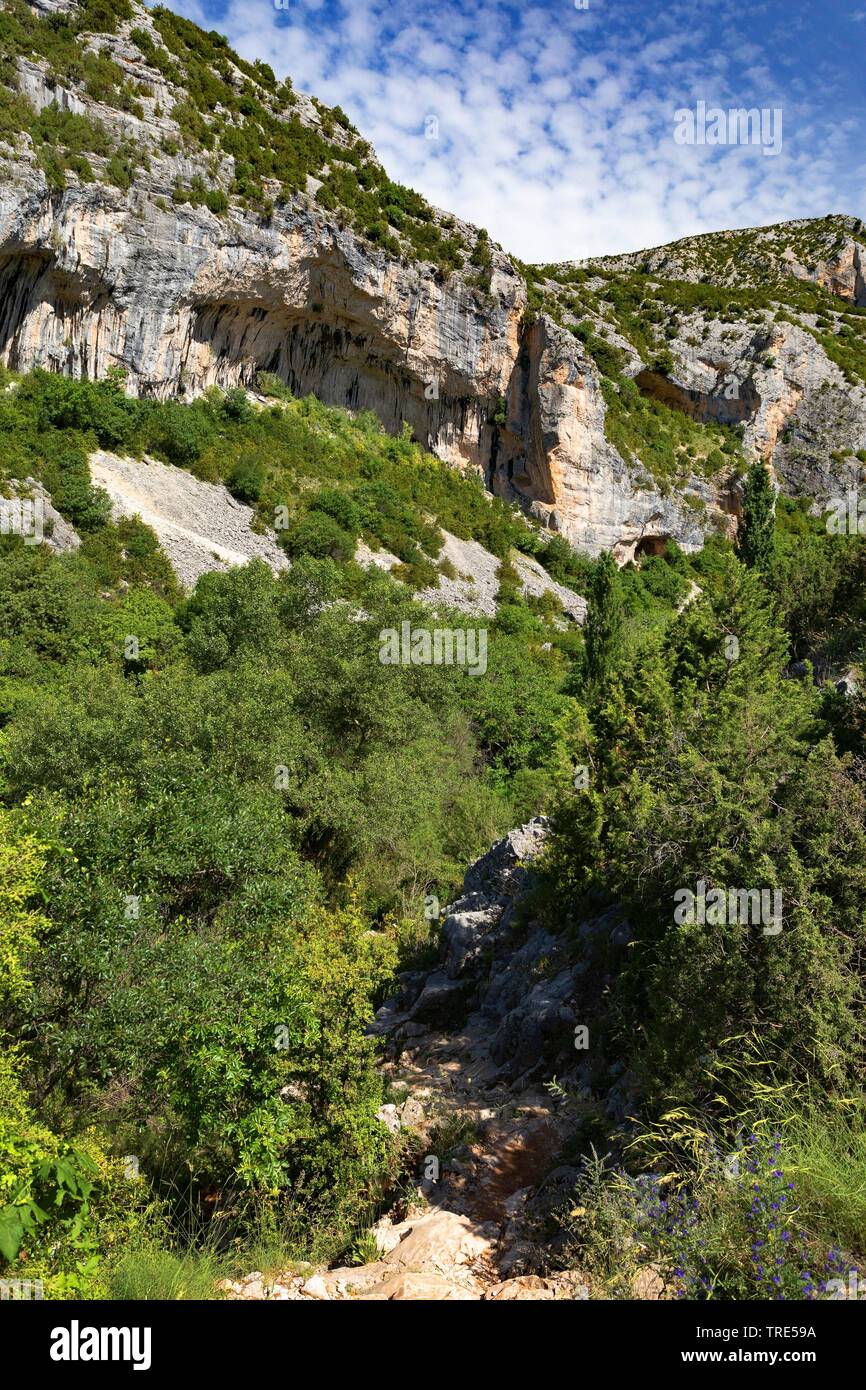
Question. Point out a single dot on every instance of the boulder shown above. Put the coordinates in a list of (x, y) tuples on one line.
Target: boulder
[(409, 1286), (439, 1243)]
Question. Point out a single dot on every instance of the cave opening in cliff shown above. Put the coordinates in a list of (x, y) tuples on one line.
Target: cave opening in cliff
[(648, 546), (731, 403)]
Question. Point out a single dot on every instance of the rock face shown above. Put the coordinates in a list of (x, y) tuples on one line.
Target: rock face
[(554, 457), (95, 277), (504, 978), (181, 300), (796, 410), (28, 512)]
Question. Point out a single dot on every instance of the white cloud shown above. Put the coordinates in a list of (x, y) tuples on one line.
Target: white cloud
[(556, 125)]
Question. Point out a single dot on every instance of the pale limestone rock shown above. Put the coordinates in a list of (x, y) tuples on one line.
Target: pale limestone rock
[(28, 511), (648, 1284), (526, 1286), (315, 1287), (411, 1114), (417, 1287), (388, 1116), (182, 299), (438, 1243), (199, 525)]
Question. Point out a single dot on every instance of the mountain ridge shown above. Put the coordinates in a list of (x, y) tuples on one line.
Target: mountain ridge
[(618, 400)]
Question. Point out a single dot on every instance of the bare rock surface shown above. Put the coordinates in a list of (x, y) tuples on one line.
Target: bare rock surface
[(29, 512), (474, 587), (200, 526), (468, 1230), (94, 276)]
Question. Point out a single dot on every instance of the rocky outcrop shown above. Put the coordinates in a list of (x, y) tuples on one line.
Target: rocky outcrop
[(784, 373), (96, 276), (504, 978), (794, 405), (554, 457), (491, 1028), (181, 299), (29, 512), (433, 1257)]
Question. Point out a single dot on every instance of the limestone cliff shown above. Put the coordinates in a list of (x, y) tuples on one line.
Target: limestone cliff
[(148, 252)]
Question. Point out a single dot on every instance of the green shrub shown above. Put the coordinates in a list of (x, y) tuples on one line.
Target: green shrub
[(247, 478), (320, 535), (339, 506), (216, 200), (180, 434)]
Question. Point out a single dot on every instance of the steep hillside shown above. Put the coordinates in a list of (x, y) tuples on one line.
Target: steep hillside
[(757, 337), (298, 477), (829, 251), (176, 212)]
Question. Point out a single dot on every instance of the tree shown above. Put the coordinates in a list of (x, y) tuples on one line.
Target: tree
[(708, 765), (603, 630), (53, 1193), (756, 534)]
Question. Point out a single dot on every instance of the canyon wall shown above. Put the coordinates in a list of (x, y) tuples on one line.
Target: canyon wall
[(95, 277)]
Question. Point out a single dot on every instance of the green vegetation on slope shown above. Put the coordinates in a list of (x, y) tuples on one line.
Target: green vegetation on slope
[(256, 149), (736, 1043), (231, 830), (214, 823), (750, 258), (220, 846), (618, 299), (324, 477)]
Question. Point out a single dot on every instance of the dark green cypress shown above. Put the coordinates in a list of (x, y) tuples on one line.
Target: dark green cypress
[(755, 542)]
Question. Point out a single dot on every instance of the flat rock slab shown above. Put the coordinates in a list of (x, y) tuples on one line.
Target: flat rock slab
[(439, 1243), (431, 1288)]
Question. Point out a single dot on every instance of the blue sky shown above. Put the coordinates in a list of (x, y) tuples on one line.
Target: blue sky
[(555, 125)]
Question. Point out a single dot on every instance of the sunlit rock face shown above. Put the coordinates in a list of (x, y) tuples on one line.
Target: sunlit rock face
[(182, 300), (95, 277)]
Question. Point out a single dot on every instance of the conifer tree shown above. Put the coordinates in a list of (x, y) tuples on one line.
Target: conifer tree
[(755, 544), (603, 631)]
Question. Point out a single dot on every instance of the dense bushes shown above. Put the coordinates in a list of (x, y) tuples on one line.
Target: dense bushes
[(735, 1039), (216, 841), (62, 1204), (232, 820), (709, 765), (336, 475)]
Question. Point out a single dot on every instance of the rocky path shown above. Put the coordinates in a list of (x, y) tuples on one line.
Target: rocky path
[(486, 1139), (694, 592), (461, 1234)]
